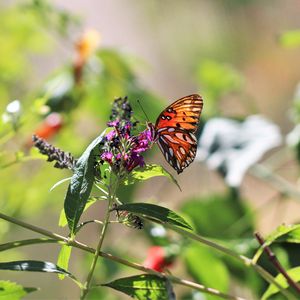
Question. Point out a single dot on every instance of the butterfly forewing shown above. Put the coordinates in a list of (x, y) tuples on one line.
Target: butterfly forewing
[(175, 128), (183, 113)]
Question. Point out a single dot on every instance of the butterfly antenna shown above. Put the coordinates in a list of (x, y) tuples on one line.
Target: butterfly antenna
[(139, 102)]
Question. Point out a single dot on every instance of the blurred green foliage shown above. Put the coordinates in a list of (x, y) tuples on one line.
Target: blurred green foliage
[(217, 80), (199, 259), (235, 221), (26, 35), (290, 38)]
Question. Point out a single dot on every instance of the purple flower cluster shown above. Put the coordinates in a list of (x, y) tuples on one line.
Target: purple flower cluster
[(123, 150)]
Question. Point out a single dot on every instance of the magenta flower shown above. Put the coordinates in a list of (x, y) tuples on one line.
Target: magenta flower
[(122, 148), (107, 156), (111, 135), (114, 123)]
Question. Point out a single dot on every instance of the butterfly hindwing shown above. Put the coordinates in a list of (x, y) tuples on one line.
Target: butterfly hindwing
[(175, 128), (178, 146)]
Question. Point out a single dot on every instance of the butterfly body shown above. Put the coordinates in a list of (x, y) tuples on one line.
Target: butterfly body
[(175, 131)]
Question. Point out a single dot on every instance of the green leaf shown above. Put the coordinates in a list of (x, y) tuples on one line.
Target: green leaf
[(63, 259), (62, 222), (148, 172), (81, 184), (13, 291), (294, 273), (283, 233), (200, 259), (216, 80), (155, 212), (143, 287), (290, 39), (33, 266)]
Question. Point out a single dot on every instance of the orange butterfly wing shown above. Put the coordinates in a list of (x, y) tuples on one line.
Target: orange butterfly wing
[(175, 128)]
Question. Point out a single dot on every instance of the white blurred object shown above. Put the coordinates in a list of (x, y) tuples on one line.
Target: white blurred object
[(233, 146), (12, 112), (158, 231)]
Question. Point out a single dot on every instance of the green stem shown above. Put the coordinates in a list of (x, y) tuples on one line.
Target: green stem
[(111, 196), (204, 289), (21, 243), (264, 274)]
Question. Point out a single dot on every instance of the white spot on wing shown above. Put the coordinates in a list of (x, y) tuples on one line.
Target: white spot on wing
[(182, 150), (193, 137), (189, 140), (178, 154), (179, 135), (161, 129), (168, 137)]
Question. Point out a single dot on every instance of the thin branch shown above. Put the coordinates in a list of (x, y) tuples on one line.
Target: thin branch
[(273, 259), (87, 222), (21, 243), (278, 182), (203, 288)]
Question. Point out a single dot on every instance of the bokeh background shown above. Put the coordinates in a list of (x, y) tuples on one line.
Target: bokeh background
[(241, 55)]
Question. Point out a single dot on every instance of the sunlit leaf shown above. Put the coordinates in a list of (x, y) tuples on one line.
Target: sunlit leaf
[(63, 259), (81, 184), (272, 289), (290, 39), (143, 287), (148, 172), (283, 233), (155, 212), (13, 291)]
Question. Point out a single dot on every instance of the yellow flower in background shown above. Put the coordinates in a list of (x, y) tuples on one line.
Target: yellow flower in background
[(87, 44)]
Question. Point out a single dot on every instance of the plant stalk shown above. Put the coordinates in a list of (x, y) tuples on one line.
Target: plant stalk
[(111, 196)]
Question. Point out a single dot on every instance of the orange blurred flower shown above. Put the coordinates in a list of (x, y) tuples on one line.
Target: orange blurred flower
[(87, 44), (50, 126)]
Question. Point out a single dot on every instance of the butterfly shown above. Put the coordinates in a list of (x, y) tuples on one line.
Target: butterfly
[(174, 131)]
